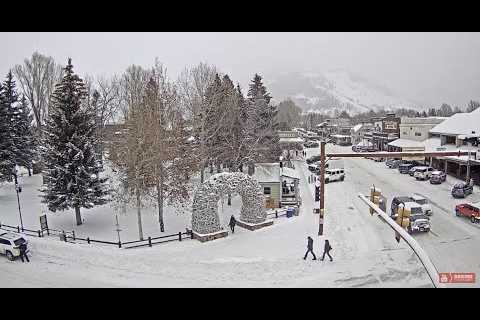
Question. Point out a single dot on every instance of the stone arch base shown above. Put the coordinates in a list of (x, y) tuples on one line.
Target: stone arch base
[(205, 219)]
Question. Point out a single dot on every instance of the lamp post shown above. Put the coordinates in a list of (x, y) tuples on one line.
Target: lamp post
[(18, 189)]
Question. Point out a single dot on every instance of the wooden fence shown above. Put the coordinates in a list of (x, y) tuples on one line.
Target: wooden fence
[(70, 235)]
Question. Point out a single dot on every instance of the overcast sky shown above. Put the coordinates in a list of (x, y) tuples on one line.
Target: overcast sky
[(427, 67)]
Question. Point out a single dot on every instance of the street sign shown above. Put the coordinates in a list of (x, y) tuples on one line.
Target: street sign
[(43, 222)]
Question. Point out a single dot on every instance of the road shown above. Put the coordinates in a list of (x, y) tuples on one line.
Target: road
[(453, 243)]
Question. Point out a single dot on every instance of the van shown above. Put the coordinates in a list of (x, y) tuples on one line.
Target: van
[(334, 175), (336, 163)]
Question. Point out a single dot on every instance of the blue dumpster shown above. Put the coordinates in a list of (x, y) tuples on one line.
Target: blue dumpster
[(290, 212)]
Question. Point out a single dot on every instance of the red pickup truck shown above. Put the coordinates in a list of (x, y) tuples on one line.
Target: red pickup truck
[(470, 210)]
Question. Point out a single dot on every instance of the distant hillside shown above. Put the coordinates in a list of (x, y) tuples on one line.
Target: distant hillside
[(334, 90)]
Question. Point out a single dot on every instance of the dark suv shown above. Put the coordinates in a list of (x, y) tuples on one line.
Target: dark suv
[(393, 164), (461, 190), (313, 159), (404, 167)]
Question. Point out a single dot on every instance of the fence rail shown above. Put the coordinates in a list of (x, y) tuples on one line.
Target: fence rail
[(151, 241), (18, 229), (70, 235)]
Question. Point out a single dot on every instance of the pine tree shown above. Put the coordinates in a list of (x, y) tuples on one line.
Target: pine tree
[(214, 114), (9, 140), (258, 89), (25, 134), (262, 121), (72, 172)]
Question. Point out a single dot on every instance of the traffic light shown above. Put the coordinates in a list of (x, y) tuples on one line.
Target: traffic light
[(317, 193), (403, 219)]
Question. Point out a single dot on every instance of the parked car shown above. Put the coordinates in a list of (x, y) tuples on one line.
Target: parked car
[(389, 162), (423, 202), (313, 159), (461, 190), (395, 202), (419, 223), (404, 167), (314, 167), (423, 173), (437, 177), (311, 144), (470, 210), (10, 245), (334, 175), (378, 159), (412, 170), (394, 164)]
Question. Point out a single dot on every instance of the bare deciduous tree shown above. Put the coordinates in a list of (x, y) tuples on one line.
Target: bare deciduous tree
[(38, 76), (193, 86)]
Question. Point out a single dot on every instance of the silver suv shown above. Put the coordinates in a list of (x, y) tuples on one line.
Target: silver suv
[(10, 245)]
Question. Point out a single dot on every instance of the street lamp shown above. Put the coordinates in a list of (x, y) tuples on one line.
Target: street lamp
[(18, 189)]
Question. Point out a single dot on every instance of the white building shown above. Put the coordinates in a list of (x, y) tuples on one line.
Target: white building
[(417, 129)]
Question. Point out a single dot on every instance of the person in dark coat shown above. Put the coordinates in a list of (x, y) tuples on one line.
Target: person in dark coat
[(232, 223), (310, 249), (23, 252), (326, 250)]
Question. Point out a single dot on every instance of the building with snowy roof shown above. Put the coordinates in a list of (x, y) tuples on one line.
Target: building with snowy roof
[(280, 185), (460, 132)]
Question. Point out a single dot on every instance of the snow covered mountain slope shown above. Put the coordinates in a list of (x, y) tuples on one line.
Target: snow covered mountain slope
[(334, 90)]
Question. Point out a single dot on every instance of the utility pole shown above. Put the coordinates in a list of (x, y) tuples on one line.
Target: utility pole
[(322, 188)]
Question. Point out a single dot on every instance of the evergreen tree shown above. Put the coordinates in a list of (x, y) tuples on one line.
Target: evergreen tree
[(9, 140), (72, 172), (213, 113), (258, 89), (262, 119), (26, 135), (424, 114)]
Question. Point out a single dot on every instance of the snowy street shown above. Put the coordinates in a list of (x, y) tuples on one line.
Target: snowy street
[(453, 243)]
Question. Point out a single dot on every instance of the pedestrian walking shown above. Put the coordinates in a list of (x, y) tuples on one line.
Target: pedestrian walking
[(326, 250), (23, 252), (232, 223), (309, 249)]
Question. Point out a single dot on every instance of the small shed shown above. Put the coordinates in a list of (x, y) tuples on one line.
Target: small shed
[(280, 185)]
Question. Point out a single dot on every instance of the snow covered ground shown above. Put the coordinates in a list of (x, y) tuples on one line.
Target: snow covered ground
[(364, 249)]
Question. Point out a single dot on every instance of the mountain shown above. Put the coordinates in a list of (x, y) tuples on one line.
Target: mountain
[(334, 90)]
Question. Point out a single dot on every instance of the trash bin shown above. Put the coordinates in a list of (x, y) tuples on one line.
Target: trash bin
[(290, 212)]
